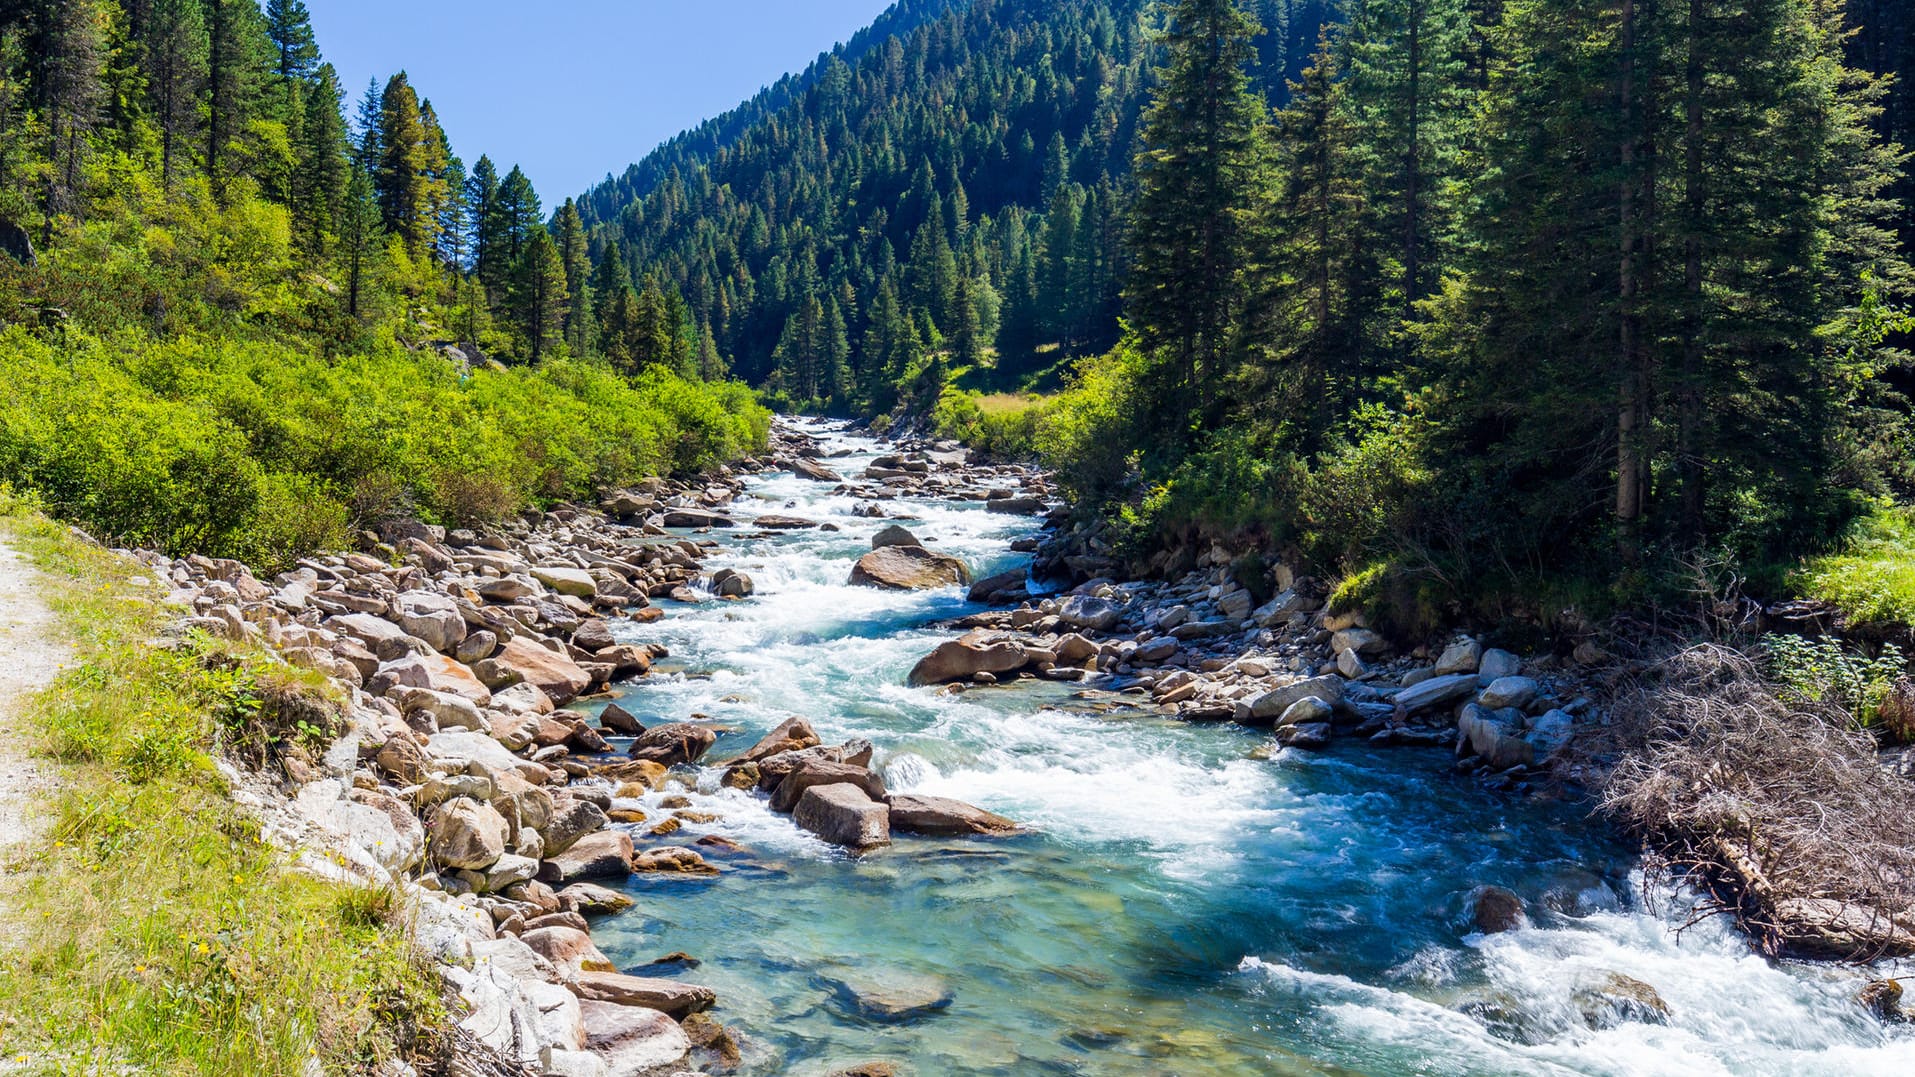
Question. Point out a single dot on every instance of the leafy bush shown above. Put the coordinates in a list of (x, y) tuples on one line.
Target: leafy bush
[(1001, 425), (1825, 672), (1872, 578)]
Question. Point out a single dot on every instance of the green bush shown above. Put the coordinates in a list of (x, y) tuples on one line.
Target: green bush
[(1000, 425), (1826, 671), (1872, 577)]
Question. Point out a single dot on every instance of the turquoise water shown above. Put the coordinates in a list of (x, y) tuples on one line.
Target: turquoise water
[(1180, 907)]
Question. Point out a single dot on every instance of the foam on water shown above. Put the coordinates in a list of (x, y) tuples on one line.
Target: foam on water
[(1181, 908)]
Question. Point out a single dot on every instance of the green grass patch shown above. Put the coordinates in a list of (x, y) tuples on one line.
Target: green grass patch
[(1871, 578), (152, 927)]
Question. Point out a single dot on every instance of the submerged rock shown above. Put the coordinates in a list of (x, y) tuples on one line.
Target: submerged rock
[(909, 568), (1883, 998), (1494, 909), (891, 994), (944, 817), (1618, 1000)]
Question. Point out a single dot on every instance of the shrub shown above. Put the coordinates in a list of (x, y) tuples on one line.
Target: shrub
[(1824, 672), (1872, 577)]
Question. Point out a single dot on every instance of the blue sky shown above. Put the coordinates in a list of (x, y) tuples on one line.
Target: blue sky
[(574, 89)]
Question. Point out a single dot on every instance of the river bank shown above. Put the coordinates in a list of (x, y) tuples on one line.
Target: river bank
[(1182, 897)]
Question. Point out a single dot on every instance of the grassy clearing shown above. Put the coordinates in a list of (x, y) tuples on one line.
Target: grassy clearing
[(1872, 577), (156, 927)]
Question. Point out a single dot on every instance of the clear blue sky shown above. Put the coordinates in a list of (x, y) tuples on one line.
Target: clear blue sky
[(574, 89)]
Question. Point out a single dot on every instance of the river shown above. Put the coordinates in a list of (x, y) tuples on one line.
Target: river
[(1180, 908)]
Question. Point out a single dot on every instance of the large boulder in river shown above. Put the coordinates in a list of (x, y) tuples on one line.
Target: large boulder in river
[(909, 568), (894, 535), (963, 659), (792, 735), (1494, 909), (944, 817), (814, 471), (697, 519), (632, 1040), (670, 745), (843, 815), (815, 772), (1003, 589)]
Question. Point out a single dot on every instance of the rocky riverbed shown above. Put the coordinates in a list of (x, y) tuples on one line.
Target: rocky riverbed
[(599, 747)]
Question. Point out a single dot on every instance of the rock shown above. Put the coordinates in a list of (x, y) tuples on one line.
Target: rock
[(553, 673), (890, 994), (1618, 1000), (1549, 734), (813, 470), (566, 580), (1883, 998), (909, 568), (672, 859), (1074, 650), (1496, 665), (1463, 656), (606, 854), (1495, 736), (1351, 665), (775, 522), (792, 735), (730, 583), (695, 519), (594, 635), (1436, 692), (1311, 736), (815, 772), (569, 822), (1494, 910), (1270, 706), (1090, 614), (1001, 589), (1154, 652), (509, 589), (1360, 641), (616, 719), (569, 950), (964, 659), (437, 673), (403, 759), (1516, 692), (1015, 506), (1235, 606), (665, 996), (943, 817), (591, 899), (894, 535), (466, 834), (634, 1041), (432, 617), (1280, 609), (674, 744), (1310, 710), (843, 815), (448, 711), (867, 1069)]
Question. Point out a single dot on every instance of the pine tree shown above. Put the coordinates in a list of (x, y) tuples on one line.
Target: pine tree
[(234, 64), (325, 164), (367, 127), (360, 237), (175, 53), (578, 270), (410, 177), (289, 25), (539, 291), (70, 98), (489, 261)]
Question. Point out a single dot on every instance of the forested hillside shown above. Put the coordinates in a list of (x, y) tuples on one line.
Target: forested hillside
[(231, 311), (914, 201)]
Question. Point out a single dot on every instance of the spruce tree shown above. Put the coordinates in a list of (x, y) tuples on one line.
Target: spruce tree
[(289, 25), (360, 238), (175, 54), (325, 164), (70, 98), (578, 270), (539, 295)]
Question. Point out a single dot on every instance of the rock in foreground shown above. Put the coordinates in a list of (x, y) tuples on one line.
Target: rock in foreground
[(944, 817), (909, 568), (843, 815)]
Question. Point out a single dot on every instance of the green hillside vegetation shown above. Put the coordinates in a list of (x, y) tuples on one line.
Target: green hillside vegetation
[(235, 336)]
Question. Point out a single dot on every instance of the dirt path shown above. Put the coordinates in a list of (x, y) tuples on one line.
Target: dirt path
[(31, 654)]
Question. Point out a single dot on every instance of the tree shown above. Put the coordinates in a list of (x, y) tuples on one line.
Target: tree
[(410, 177), (289, 25), (539, 291), (234, 63), (70, 98), (360, 237), (488, 246), (578, 270), (175, 51), (325, 164), (1196, 176)]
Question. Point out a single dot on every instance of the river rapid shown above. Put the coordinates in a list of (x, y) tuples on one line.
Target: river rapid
[(1179, 908)]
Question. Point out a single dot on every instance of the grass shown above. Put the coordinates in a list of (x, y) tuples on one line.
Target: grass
[(1872, 577), (153, 927)]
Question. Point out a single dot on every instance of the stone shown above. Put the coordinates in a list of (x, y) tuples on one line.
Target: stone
[(1074, 650), (843, 815), (1463, 656), (1518, 692), (890, 994), (1271, 705), (604, 854), (696, 519), (867, 1069), (775, 522), (730, 583), (1089, 613), (1310, 710), (616, 719), (634, 1041), (551, 672), (432, 617), (674, 744), (403, 759), (1280, 609), (672, 860), (504, 872), (1618, 1000), (1351, 665), (437, 673), (1015, 506), (1495, 736), (569, 822), (793, 734), (1883, 999), (1004, 588), (593, 634), (1361, 641), (1436, 692), (1494, 910), (964, 659), (568, 949), (448, 711), (944, 817), (475, 748), (466, 833), (909, 568), (591, 899), (641, 772), (813, 470), (894, 535), (817, 772), (666, 996), (507, 589), (1497, 664), (566, 580), (1307, 735)]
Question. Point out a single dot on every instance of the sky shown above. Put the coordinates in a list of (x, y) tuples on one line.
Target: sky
[(573, 90)]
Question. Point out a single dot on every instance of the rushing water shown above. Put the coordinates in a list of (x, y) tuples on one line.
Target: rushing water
[(1180, 908)]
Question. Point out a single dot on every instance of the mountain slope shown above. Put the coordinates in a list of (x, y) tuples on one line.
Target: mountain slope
[(795, 227)]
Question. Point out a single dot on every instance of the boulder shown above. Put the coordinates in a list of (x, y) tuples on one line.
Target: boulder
[(1015, 506), (964, 659), (478, 748), (568, 949), (1311, 736), (571, 821), (1494, 910), (696, 519), (437, 673), (1271, 705), (1074, 650), (674, 744), (1617, 1000), (566, 580), (547, 670), (466, 833), (1001, 589), (909, 568), (448, 711), (513, 588), (1436, 692), (843, 815), (634, 1041), (1090, 614), (890, 994), (943, 817), (894, 535), (432, 617), (604, 854), (1463, 656), (1496, 736), (1496, 665), (815, 772), (1548, 734), (775, 522), (811, 469), (594, 635), (1883, 999), (1360, 641), (591, 899), (1280, 609), (730, 583), (1518, 692), (672, 860), (1310, 710), (618, 720), (666, 996), (793, 734)]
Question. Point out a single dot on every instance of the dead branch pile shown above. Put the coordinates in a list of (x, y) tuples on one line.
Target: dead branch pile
[(1779, 814)]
